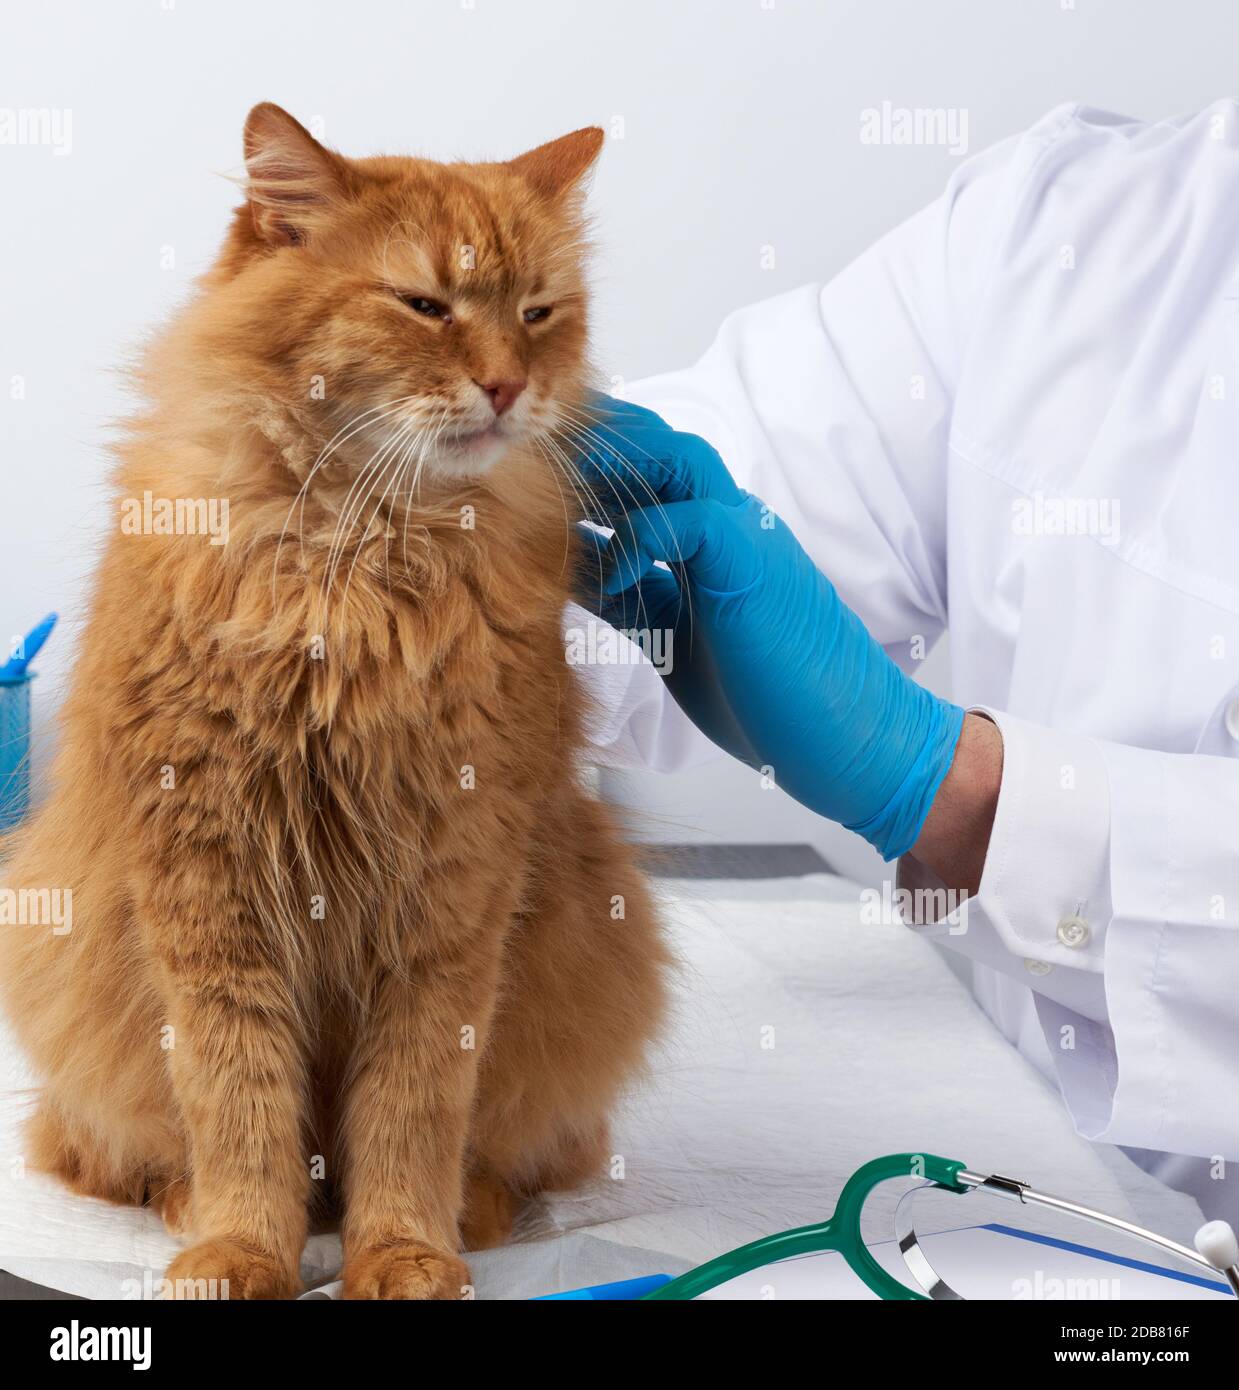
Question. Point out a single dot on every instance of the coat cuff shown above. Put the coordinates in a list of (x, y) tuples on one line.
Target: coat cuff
[(1045, 887)]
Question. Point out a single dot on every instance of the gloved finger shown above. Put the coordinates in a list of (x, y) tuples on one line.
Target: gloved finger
[(629, 457), (596, 564), (655, 603), (590, 566), (706, 540)]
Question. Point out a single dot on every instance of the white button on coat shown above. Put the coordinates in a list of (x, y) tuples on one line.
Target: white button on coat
[(1016, 415), (1073, 931)]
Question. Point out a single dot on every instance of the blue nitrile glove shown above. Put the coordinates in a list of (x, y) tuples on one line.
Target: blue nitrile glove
[(766, 658)]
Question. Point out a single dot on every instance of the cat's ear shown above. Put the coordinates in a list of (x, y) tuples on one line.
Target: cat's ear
[(553, 168), (293, 180)]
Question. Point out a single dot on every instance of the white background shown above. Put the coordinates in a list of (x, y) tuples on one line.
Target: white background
[(735, 127)]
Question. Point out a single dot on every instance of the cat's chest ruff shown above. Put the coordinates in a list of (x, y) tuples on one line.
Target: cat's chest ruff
[(420, 659)]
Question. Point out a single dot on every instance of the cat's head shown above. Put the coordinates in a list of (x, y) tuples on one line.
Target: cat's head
[(437, 311)]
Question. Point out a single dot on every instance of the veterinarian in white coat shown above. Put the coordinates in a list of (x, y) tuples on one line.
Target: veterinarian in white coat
[(1017, 416)]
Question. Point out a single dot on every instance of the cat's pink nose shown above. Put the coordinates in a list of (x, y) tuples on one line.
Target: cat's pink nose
[(502, 393)]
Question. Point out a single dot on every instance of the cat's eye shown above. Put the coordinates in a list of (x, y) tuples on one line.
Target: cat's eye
[(537, 315), (428, 308)]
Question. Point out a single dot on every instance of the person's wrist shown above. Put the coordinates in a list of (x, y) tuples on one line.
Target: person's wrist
[(954, 839)]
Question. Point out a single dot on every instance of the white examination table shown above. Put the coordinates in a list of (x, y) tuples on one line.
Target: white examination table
[(803, 1044)]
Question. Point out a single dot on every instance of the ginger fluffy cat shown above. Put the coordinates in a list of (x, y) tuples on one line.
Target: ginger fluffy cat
[(337, 890)]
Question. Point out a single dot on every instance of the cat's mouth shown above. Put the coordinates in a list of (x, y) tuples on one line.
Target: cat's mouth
[(475, 450), (468, 439)]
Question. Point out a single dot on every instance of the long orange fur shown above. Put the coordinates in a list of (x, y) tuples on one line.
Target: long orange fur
[(348, 935)]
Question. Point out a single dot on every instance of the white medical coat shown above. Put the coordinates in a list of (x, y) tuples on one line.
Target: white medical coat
[(1017, 416)]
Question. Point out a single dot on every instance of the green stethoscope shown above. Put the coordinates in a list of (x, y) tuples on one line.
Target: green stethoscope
[(1216, 1248)]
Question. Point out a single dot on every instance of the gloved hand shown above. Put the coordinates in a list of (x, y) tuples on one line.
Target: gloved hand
[(766, 658)]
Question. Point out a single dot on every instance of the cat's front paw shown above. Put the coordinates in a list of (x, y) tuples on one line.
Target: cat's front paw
[(223, 1269), (410, 1269)]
